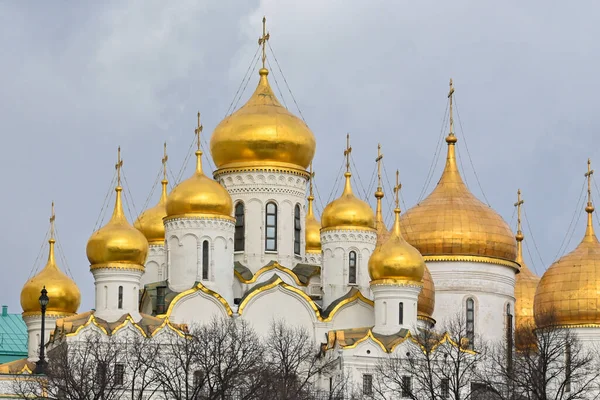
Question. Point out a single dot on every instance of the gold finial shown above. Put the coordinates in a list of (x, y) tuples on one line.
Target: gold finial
[(52, 218), (378, 161), (397, 190), (198, 131), (164, 161), (451, 138), (262, 41), (118, 166), (519, 236), (347, 152), (311, 176)]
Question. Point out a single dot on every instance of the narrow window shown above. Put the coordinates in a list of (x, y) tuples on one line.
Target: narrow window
[(205, 260), (120, 305), (330, 384), (445, 388), (101, 374), (238, 244), (367, 384), (568, 367), (470, 321), (198, 378), (406, 386), (401, 313), (509, 338), (297, 229), (119, 374), (160, 299), (352, 267), (271, 228)]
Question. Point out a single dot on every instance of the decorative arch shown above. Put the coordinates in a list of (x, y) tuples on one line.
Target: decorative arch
[(274, 266)]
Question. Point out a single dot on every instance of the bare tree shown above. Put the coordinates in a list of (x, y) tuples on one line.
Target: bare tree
[(141, 356)]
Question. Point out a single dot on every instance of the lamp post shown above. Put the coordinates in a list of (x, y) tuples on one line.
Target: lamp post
[(40, 365)]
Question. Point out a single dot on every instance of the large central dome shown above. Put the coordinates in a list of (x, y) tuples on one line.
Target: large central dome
[(262, 133)]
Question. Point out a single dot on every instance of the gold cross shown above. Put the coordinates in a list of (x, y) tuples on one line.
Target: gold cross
[(118, 166), (397, 189), (52, 218), (347, 152), (164, 162), (262, 41), (311, 175), (450, 96), (378, 161), (198, 130), (588, 175), (518, 204)]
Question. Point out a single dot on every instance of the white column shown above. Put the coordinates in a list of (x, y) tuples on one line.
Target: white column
[(34, 330), (107, 282), (395, 306)]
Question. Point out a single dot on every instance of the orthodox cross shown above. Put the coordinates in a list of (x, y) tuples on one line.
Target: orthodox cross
[(164, 161), (397, 189), (262, 41), (378, 161), (347, 152), (518, 204), (588, 175), (311, 176), (118, 166), (198, 130), (450, 96), (52, 218)]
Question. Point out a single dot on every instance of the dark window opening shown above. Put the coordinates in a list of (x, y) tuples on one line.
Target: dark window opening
[(445, 388), (568, 368), (205, 260), (368, 384), (352, 267), (238, 243), (470, 322), (297, 229), (271, 228), (401, 313), (509, 339), (160, 299), (198, 379), (406, 386), (119, 374), (120, 304)]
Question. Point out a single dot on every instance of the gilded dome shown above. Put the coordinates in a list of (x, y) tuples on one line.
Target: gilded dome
[(396, 259), (63, 293), (348, 211), (199, 195), (452, 221), (426, 302), (525, 286), (262, 133), (150, 222), (117, 243), (312, 233), (569, 291)]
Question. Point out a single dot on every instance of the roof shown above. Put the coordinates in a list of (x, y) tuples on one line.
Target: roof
[(350, 338), (306, 271), (13, 334), (19, 366)]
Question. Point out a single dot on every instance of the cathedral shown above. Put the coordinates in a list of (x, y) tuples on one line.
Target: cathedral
[(245, 243)]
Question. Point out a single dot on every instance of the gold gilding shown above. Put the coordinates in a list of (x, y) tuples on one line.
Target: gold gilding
[(569, 291), (262, 133), (452, 221), (526, 281), (348, 211), (63, 293), (426, 302), (395, 258), (199, 195), (312, 233)]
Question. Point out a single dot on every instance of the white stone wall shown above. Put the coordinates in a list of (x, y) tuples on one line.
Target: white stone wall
[(387, 298), (107, 282), (184, 244), (491, 286), (34, 329), (337, 245), (156, 265), (255, 189)]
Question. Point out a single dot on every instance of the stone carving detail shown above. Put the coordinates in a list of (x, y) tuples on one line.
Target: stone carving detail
[(349, 236), (199, 223)]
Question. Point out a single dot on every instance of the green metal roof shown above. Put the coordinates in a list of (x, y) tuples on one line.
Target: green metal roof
[(13, 336)]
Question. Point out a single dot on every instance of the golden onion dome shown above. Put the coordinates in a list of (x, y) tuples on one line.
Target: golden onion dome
[(198, 196), (262, 133), (117, 244), (312, 234), (452, 221), (569, 290), (63, 293), (348, 211), (426, 302), (395, 259), (150, 222)]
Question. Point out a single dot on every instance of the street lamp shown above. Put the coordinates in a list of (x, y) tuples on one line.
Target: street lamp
[(40, 365)]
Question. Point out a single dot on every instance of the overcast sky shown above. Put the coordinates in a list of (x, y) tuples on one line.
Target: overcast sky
[(77, 82)]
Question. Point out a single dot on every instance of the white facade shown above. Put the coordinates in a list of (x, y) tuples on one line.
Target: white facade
[(117, 292), (337, 245), (34, 329), (255, 189), (395, 307), (156, 265)]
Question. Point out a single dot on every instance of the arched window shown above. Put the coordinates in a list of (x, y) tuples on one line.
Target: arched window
[(470, 321), (120, 305), (271, 228), (205, 260), (238, 244), (297, 229), (401, 313), (352, 267)]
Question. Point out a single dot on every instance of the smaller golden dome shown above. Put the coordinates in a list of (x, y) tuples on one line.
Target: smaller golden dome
[(396, 259), (117, 242), (525, 286), (313, 229), (199, 195), (348, 211), (426, 302), (150, 222), (63, 293)]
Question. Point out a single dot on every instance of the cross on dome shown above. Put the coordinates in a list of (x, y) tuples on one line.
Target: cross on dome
[(397, 189), (262, 41), (347, 152), (118, 166)]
